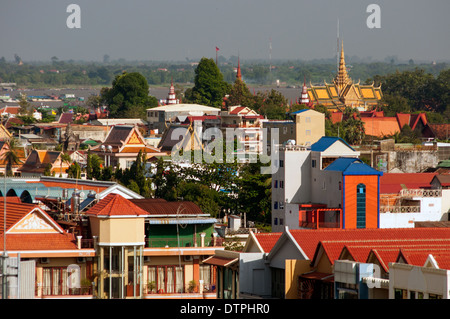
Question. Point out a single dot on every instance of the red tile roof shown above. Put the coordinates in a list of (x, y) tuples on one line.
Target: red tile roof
[(380, 126), (14, 212), (39, 241), (116, 205), (391, 183), (308, 239), (267, 240), (418, 257), (403, 119)]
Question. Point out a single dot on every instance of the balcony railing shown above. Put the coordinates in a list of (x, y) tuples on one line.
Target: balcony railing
[(182, 242), (421, 192), (55, 291), (400, 209), (178, 289)]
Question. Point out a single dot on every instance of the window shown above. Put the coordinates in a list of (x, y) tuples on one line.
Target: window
[(281, 184), (206, 274), (167, 279), (313, 163), (400, 293), (281, 221), (275, 205), (275, 221), (361, 206), (308, 120), (275, 184), (281, 163), (55, 281), (340, 185), (308, 132)]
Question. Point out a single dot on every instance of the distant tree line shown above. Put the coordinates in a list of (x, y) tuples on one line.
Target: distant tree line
[(57, 72)]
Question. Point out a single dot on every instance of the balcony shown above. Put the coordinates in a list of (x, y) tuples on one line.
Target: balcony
[(182, 242), (207, 291), (61, 292), (320, 218)]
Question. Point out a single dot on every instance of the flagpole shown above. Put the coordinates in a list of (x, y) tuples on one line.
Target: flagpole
[(217, 50)]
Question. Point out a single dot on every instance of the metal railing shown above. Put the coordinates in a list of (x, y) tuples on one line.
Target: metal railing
[(51, 290), (400, 209), (182, 242), (421, 192)]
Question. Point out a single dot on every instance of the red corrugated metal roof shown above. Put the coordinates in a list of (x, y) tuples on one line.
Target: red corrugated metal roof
[(391, 183), (158, 206)]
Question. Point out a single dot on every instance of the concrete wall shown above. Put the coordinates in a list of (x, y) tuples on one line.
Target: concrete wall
[(411, 161), (325, 188), (296, 175), (254, 276), (310, 127), (418, 279)]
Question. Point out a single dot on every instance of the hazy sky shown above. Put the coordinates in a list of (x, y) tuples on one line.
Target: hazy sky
[(179, 29)]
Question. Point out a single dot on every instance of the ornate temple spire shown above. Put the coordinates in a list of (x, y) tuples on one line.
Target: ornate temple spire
[(342, 78), (238, 75), (304, 99), (172, 99)]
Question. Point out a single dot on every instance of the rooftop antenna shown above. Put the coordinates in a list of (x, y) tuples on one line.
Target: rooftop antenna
[(337, 51), (270, 54)]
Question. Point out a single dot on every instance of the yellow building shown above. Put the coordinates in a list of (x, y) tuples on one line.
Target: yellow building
[(343, 92)]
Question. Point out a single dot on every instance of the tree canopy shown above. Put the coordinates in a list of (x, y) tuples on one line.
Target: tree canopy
[(129, 96), (209, 87)]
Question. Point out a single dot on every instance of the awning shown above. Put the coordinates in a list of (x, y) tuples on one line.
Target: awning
[(220, 261), (175, 221)]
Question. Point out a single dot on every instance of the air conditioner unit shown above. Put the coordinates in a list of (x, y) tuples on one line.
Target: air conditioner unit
[(44, 260), (187, 258), (81, 260), (147, 258)]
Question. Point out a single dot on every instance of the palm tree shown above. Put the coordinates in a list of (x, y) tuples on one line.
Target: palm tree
[(11, 155), (65, 158)]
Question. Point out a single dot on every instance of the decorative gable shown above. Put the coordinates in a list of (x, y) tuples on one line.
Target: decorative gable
[(134, 139), (35, 222)]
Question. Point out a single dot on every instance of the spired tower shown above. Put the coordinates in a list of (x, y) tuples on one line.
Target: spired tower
[(343, 92), (171, 98), (342, 79), (304, 99), (238, 74)]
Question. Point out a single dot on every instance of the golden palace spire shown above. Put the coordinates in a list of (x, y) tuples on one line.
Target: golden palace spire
[(342, 79)]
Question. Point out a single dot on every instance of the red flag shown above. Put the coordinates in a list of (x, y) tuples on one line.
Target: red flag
[(217, 49)]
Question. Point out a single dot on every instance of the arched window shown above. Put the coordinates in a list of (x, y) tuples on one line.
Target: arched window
[(361, 206)]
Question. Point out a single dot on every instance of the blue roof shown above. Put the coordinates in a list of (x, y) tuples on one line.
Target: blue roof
[(325, 142), (300, 111), (352, 166)]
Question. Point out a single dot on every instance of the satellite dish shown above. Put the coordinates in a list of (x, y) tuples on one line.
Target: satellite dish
[(82, 195)]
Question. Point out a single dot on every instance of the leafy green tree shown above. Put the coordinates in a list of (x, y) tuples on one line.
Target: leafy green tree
[(240, 95), (271, 104), (391, 104), (74, 171), (128, 97), (209, 86)]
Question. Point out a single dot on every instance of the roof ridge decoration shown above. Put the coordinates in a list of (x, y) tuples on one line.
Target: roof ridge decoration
[(36, 221)]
